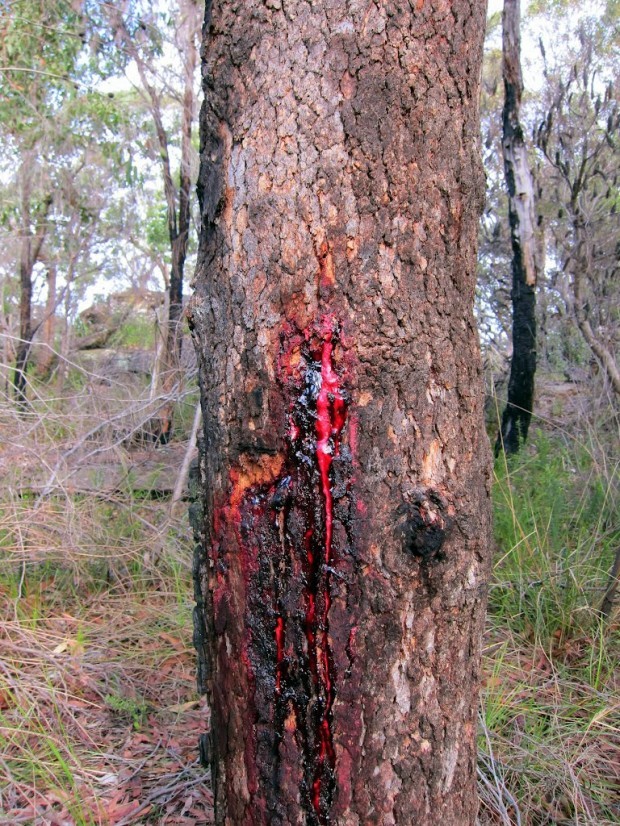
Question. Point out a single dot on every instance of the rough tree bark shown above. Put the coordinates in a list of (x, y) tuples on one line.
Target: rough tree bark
[(525, 266), (344, 541)]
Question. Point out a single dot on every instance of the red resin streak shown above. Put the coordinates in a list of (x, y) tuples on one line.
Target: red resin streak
[(279, 652), (317, 419), (331, 413)]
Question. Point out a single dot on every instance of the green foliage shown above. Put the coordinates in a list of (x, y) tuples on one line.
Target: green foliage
[(555, 549), (156, 227), (551, 7), (134, 708), (561, 18), (39, 52), (136, 331)]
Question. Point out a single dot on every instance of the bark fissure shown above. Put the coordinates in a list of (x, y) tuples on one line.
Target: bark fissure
[(285, 527)]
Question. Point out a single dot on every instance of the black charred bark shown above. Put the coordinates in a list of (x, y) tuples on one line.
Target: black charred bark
[(518, 412)]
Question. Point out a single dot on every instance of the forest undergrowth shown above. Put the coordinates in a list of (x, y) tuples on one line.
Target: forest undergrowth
[(549, 747), (99, 716)]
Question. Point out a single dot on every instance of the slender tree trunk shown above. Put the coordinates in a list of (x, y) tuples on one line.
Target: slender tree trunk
[(178, 203), (46, 359), (583, 263), (66, 336), (181, 483), (7, 335), (25, 323), (525, 267), (180, 239), (161, 339), (26, 265), (179, 232), (344, 544), (31, 243)]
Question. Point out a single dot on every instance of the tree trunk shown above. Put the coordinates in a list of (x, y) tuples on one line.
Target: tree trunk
[(31, 243), (66, 337), (22, 352), (180, 237), (30, 248), (48, 354), (26, 265), (344, 549), (179, 228), (525, 267)]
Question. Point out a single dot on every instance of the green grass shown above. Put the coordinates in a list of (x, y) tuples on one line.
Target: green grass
[(134, 708), (550, 720), (554, 527)]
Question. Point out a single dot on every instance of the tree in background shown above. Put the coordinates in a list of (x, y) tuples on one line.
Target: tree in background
[(39, 53), (345, 543), (525, 260), (140, 34), (579, 136), (56, 127)]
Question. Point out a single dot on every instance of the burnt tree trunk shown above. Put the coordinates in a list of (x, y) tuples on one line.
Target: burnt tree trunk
[(344, 543), (520, 185)]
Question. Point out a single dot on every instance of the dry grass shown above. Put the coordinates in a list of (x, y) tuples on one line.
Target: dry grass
[(550, 747), (99, 717), (550, 725)]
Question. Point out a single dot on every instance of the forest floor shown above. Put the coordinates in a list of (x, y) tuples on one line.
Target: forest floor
[(99, 716)]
